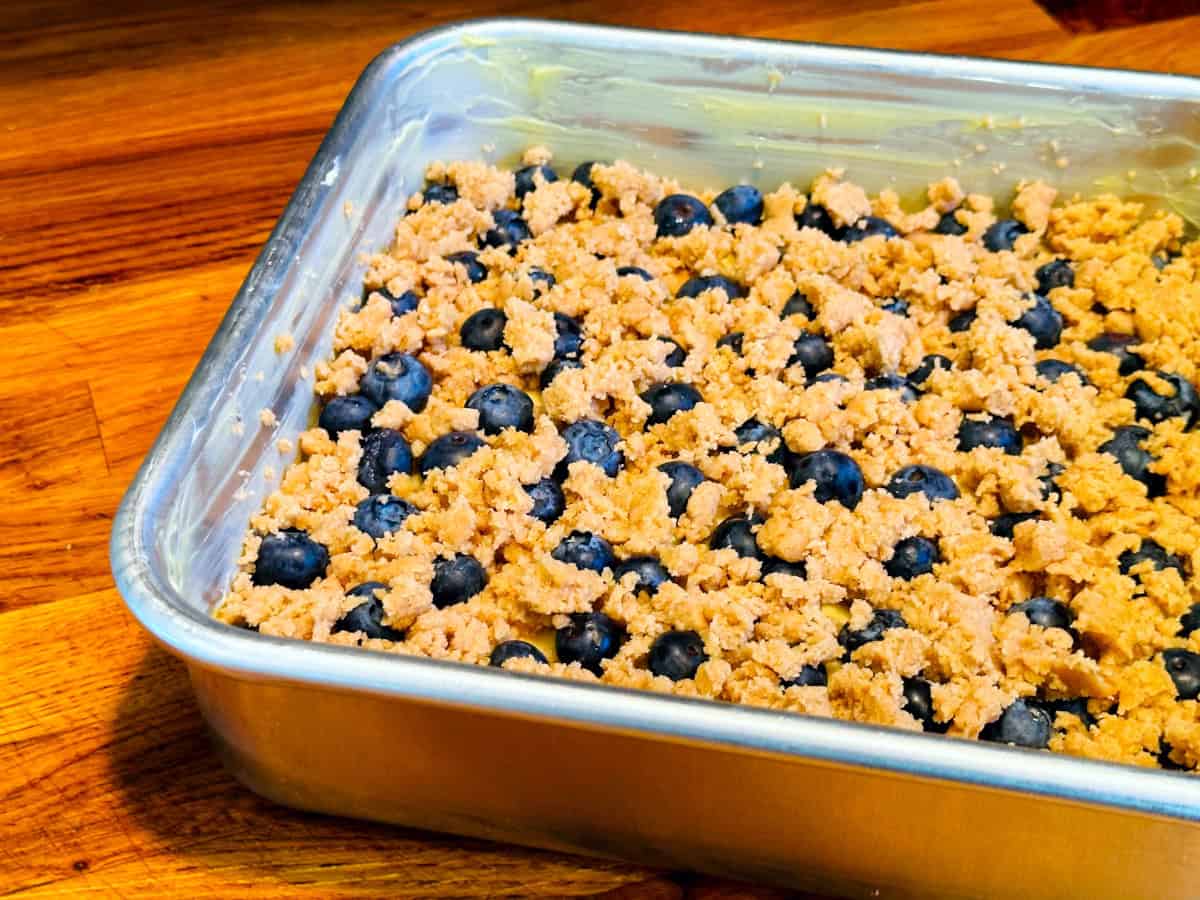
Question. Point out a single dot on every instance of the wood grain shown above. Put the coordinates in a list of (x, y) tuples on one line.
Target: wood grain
[(147, 149)]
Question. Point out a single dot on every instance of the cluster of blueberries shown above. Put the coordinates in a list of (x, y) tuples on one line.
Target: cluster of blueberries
[(293, 559)]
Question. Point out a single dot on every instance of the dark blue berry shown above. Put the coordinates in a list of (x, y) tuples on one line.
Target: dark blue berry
[(548, 500), (808, 676), (1126, 447), (678, 214), (990, 431), (669, 398), (897, 306), (892, 382), (397, 376), (507, 650), (1001, 235), (290, 559), (684, 479), (773, 565), (736, 534), (484, 330), (1155, 407), (1054, 274), (384, 453), (568, 337), (1043, 321), (677, 355), (816, 216), (456, 579), (830, 378), (1049, 485), (677, 654), (508, 231), (588, 639), (949, 224), (836, 476), (765, 439), (449, 450), (1077, 707), (1150, 551), (913, 556), (557, 367), (812, 352), (963, 321), (1184, 668), (525, 181), (585, 550), (1021, 725), (698, 284), (502, 406), (594, 442), (352, 413), (583, 175), (542, 280), (933, 483), (651, 574), (1046, 612), (1164, 757), (1005, 525), (1189, 621), (1118, 345), (635, 271), (918, 703), (741, 203), (381, 514), (921, 373), (733, 341), (469, 260), (404, 303), (1054, 369), (798, 305), (440, 193), (882, 621), (867, 226), (367, 617)]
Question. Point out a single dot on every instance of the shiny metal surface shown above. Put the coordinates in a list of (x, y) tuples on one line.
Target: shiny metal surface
[(829, 805)]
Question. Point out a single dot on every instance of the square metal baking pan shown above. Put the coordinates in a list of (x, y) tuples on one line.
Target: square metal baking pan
[(833, 806)]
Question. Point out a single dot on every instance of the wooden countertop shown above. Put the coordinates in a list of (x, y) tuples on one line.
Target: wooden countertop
[(147, 151)]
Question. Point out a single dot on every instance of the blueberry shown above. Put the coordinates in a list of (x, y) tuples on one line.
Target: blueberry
[(1189, 621), (1155, 407), (651, 574), (542, 280), (384, 453), (1164, 757), (1049, 485), (583, 175), (381, 514), (1021, 725), (568, 337), (508, 231), (882, 621), (1054, 369), (990, 431), (808, 676), (367, 617), (404, 303), (1077, 707), (506, 650), (1150, 551), (698, 284), (913, 556), (897, 306), (736, 533), (440, 193), (867, 226), (635, 271), (594, 442), (1043, 321), (1005, 525), (1118, 345), (933, 483), (502, 406), (484, 330), (525, 182), (449, 450), (773, 565), (352, 413), (892, 382), (963, 321), (1001, 235), (548, 500), (669, 398), (741, 203), (584, 550), (557, 367), (798, 305), (949, 224), (812, 352), (677, 355), (921, 373), (587, 639), (290, 559), (677, 654), (816, 216), (456, 579), (1054, 274), (1126, 447), (1184, 668), (1046, 612), (836, 476), (684, 479), (830, 378), (397, 376), (767, 438), (469, 260), (678, 214), (733, 341), (918, 703)]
